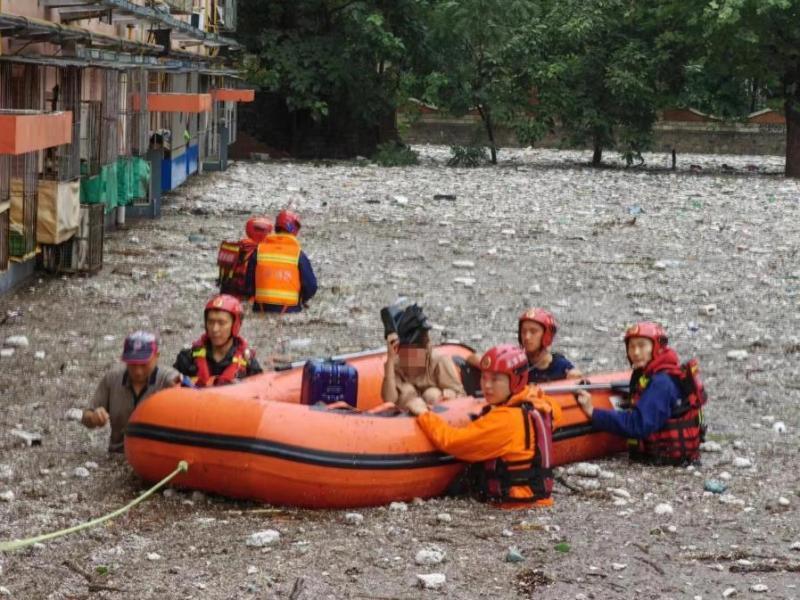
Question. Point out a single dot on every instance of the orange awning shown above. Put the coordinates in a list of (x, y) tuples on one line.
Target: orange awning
[(171, 103), (27, 131), (233, 95)]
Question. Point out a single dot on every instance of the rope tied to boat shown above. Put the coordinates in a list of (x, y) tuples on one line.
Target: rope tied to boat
[(12, 545)]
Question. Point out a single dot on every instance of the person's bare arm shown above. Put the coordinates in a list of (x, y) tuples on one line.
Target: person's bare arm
[(389, 385), (97, 415)]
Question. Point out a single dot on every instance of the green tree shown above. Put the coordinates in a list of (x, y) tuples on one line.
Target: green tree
[(604, 68), (325, 55), (756, 43), (476, 61)]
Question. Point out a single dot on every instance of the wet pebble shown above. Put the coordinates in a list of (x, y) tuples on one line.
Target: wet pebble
[(16, 341), (263, 538), (663, 509), (431, 581), (708, 310), (583, 469), (429, 556), (465, 281), (74, 414), (620, 493), (463, 264), (737, 354), (354, 518), (444, 518), (711, 446)]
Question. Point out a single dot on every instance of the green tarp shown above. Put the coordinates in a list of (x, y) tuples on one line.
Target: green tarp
[(117, 184)]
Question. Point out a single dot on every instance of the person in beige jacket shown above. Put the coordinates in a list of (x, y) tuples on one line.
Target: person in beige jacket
[(413, 368)]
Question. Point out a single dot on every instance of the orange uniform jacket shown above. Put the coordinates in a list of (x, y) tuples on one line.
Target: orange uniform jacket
[(500, 433), (277, 271)]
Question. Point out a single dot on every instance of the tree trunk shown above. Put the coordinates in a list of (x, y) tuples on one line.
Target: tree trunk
[(486, 115), (597, 156), (792, 108)]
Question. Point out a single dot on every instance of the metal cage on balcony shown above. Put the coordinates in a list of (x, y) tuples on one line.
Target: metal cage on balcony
[(63, 163)]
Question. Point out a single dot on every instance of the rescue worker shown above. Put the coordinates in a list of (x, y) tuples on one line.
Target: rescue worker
[(663, 420), (125, 386), (233, 258), (280, 275), (413, 368), (536, 330), (510, 443), (221, 355)]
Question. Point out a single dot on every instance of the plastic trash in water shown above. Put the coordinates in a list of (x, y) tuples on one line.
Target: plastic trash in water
[(715, 486)]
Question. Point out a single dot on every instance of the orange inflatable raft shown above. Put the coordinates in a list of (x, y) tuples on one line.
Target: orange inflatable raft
[(254, 440)]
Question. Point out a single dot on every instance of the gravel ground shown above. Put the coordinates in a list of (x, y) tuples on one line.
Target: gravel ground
[(601, 248)]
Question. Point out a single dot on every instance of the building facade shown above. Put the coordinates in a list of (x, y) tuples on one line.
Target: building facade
[(104, 106)]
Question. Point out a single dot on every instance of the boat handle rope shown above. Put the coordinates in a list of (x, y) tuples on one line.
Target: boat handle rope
[(12, 545)]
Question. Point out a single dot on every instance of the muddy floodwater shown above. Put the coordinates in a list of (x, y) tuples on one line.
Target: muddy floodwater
[(710, 250)]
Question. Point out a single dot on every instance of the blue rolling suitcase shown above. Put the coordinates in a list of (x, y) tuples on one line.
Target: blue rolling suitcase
[(329, 381)]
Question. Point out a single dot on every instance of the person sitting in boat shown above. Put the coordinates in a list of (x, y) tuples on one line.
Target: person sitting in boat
[(280, 276), (511, 456), (536, 331), (221, 355), (413, 367), (663, 420), (124, 387), (234, 258)]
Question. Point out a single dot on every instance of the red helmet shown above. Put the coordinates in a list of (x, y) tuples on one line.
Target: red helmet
[(543, 318), (652, 331), (230, 305), (287, 221), (257, 228), (509, 360)]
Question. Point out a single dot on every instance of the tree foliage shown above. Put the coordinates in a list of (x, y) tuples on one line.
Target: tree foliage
[(756, 44), (323, 53), (474, 60), (603, 68)]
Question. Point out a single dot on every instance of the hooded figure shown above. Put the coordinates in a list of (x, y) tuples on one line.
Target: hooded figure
[(413, 368)]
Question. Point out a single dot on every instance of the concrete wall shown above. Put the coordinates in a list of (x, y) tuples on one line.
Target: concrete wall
[(685, 137)]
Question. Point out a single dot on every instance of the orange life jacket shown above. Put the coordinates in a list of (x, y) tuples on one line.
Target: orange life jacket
[(277, 271), (236, 370), (233, 259)]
